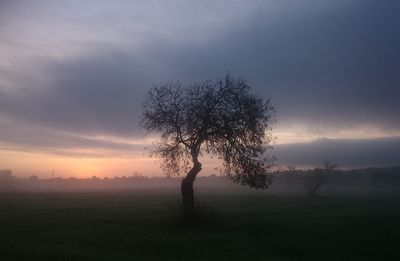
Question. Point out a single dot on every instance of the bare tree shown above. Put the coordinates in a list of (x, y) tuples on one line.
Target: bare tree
[(216, 117), (314, 181)]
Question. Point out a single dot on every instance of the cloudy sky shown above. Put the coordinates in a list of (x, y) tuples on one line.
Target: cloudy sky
[(73, 75)]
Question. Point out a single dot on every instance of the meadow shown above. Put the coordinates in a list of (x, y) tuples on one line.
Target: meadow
[(244, 225)]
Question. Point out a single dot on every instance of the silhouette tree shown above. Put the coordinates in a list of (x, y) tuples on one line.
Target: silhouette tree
[(220, 118), (314, 181)]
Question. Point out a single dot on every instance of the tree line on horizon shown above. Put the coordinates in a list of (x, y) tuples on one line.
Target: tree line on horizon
[(283, 177)]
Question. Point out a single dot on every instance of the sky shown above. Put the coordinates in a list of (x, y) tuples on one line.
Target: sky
[(73, 75)]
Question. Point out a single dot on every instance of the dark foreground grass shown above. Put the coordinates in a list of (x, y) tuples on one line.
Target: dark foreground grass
[(234, 226)]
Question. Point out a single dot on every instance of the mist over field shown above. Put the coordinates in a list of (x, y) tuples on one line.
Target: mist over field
[(369, 181), (349, 218)]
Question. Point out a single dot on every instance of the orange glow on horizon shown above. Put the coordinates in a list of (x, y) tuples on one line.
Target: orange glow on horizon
[(24, 164), (88, 162)]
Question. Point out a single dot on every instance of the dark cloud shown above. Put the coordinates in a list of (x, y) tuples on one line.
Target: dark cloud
[(329, 64), (338, 65), (101, 95), (38, 139), (345, 153)]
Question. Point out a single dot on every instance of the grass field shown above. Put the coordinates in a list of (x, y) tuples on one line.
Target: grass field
[(235, 226)]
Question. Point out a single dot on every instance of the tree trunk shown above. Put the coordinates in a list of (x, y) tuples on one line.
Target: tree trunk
[(187, 192)]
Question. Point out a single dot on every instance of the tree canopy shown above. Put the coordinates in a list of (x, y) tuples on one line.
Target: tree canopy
[(219, 117)]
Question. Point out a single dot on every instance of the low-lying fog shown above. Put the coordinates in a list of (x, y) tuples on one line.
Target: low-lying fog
[(301, 182)]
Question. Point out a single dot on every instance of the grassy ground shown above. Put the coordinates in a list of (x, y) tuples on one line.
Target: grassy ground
[(236, 226)]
